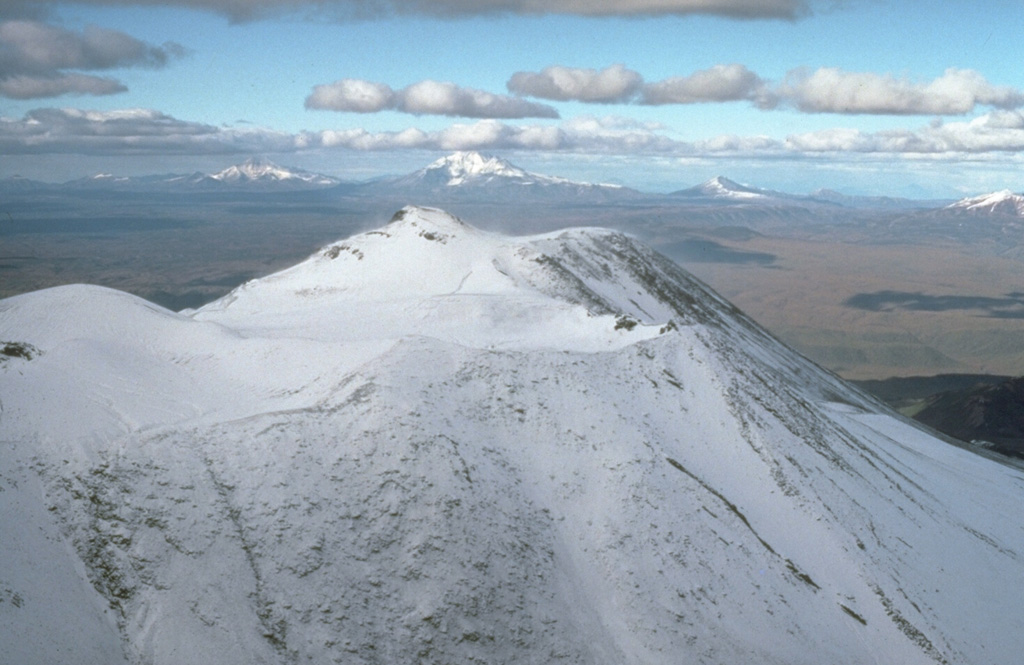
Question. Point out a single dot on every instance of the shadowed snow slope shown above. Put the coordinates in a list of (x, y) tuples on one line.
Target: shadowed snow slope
[(432, 444)]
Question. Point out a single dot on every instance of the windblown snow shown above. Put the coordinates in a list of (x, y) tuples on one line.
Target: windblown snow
[(432, 444)]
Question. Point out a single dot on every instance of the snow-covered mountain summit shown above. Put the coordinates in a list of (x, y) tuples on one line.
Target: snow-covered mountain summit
[(262, 170), (1003, 202), (428, 273), (429, 443), (472, 174), (472, 168), (461, 167), (723, 189)]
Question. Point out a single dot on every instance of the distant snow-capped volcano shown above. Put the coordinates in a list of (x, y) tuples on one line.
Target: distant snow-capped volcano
[(261, 170), (1004, 202), (473, 174), (462, 167), (724, 189)]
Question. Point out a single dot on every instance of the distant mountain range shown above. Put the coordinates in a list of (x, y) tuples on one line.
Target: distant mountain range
[(253, 174), (473, 176)]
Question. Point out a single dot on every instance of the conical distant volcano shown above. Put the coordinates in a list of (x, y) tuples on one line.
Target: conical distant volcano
[(428, 443), (477, 176)]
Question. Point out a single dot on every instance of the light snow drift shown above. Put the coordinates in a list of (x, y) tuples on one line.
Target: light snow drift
[(427, 443)]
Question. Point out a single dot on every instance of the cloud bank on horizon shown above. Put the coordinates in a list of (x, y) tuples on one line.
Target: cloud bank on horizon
[(768, 102), (245, 10), (148, 132)]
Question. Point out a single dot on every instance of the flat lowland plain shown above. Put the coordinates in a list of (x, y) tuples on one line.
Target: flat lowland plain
[(874, 311), (869, 295)]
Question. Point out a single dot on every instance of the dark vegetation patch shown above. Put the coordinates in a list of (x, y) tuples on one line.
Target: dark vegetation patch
[(1011, 306), (853, 614), (625, 323), (908, 629), (790, 566), (800, 575), (728, 504), (709, 251), (17, 350)]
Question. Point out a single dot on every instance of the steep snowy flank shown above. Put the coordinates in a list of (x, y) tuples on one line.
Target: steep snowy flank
[(432, 444), (1003, 202)]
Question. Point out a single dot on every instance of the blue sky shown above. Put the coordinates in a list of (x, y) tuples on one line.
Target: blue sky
[(865, 96)]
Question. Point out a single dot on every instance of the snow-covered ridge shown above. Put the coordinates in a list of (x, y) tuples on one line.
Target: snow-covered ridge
[(1004, 201), (429, 443), (429, 273)]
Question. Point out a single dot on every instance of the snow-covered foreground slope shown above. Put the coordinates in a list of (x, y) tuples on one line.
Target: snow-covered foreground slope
[(432, 444)]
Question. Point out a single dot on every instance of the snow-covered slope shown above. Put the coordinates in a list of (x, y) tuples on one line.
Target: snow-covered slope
[(427, 443), (1003, 202)]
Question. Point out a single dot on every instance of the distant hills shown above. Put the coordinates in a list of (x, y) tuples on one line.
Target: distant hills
[(254, 174), (990, 414), (473, 176)]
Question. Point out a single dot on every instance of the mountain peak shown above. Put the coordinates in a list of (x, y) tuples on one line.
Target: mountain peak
[(262, 170), (426, 220), (721, 187), (1003, 201), (470, 174), (461, 166), (722, 181)]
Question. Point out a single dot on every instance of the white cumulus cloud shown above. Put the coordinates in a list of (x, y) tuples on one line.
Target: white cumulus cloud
[(353, 95), (833, 90), (720, 83), (423, 98), (150, 132), (610, 85)]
